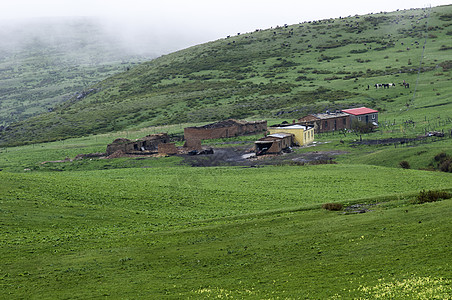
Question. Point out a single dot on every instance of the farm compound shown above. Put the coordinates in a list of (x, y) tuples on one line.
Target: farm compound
[(224, 129), (147, 144)]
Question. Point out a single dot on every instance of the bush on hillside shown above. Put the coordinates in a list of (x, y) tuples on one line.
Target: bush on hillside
[(332, 206), (404, 164), (431, 196), (442, 162)]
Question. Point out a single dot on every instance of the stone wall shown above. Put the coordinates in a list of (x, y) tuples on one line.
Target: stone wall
[(167, 148), (224, 129)]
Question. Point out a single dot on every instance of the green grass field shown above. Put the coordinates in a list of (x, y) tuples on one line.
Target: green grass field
[(224, 232)]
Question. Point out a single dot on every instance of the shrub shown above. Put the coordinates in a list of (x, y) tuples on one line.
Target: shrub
[(446, 166), (332, 206), (440, 156), (431, 196), (404, 164), (444, 162)]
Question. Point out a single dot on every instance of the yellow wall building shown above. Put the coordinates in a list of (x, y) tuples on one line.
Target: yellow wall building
[(303, 135)]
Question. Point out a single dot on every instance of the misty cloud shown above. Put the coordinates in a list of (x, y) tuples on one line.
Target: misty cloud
[(165, 26)]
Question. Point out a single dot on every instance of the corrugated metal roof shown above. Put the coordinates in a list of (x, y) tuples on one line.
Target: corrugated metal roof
[(360, 111), (280, 135), (291, 127), (330, 115), (264, 142)]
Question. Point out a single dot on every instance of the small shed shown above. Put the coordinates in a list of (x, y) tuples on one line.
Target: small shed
[(273, 143)]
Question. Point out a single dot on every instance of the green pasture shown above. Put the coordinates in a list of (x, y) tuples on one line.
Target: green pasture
[(223, 232)]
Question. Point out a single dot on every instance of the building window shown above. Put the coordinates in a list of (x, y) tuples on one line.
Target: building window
[(359, 118), (344, 121), (374, 116), (326, 124)]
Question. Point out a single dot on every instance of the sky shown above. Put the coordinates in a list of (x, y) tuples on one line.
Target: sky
[(197, 21)]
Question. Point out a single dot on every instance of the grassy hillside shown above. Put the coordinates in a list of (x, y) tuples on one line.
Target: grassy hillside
[(175, 232), (283, 72), (44, 62)]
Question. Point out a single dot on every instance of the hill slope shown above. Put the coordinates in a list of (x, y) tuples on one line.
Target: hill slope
[(288, 71), (44, 62)]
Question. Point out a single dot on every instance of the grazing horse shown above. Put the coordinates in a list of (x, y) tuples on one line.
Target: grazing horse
[(384, 85)]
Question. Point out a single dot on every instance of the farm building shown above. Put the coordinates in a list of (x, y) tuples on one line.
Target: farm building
[(224, 129), (325, 122), (273, 143), (363, 114), (303, 135), (149, 143)]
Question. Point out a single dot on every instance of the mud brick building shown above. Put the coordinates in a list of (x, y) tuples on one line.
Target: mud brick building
[(224, 129), (329, 121), (167, 148), (147, 144)]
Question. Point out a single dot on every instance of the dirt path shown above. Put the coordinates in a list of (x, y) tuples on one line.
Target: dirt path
[(241, 156)]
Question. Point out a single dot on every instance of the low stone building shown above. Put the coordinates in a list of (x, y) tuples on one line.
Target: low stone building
[(148, 144), (273, 143), (224, 129), (325, 122)]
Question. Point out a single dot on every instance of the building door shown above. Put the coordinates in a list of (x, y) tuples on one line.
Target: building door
[(367, 119)]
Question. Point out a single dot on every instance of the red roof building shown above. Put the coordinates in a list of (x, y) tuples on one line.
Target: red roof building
[(360, 111), (363, 114)]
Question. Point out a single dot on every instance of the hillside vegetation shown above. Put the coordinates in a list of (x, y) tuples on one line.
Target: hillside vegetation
[(285, 72), (44, 62)]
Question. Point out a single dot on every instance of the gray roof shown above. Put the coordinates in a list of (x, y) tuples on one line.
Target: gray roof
[(331, 115)]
